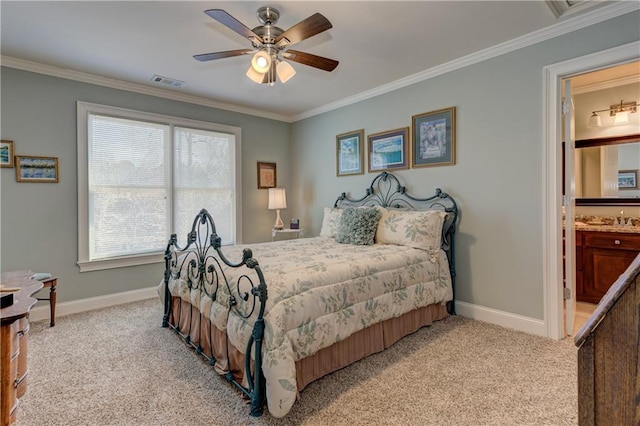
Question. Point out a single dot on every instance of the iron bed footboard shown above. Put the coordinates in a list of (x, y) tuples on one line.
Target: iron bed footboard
[(205, 272)]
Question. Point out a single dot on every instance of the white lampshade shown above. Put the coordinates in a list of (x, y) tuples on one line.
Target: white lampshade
[(285, 71), (621, 117), (261, 62), (595, 121), (277, 199)]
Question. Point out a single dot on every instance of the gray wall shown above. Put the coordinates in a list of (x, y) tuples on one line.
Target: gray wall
[(497, 179), (39, 220)]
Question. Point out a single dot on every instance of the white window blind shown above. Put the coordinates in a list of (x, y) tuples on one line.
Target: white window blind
[(204, 173), (128, 186), (142, 177)]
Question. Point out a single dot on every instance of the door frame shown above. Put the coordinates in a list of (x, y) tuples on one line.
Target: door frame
[(552, 261)]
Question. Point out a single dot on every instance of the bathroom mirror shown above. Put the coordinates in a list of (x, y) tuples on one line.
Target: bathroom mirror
[(607, 171)]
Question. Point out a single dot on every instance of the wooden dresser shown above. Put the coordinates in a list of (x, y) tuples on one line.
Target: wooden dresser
[(14, 328), (601, 257)]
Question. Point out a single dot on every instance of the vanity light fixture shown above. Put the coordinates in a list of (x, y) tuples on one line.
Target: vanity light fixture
[(620, 113), (594, 120)]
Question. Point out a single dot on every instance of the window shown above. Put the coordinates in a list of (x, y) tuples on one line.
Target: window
[(142, 177)]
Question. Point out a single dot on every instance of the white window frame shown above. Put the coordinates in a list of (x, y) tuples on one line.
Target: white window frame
[(83, 111)]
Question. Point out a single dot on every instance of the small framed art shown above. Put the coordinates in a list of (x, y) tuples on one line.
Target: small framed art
[(267, 177), (627, 179), (350, 153), (6, 153), (36, 169), (388, 150), (434, 138)]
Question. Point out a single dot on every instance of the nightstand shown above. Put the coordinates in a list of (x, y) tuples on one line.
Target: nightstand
[(298, 233)]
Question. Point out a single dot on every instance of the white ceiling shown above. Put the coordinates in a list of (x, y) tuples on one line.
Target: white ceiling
[(377, 43)]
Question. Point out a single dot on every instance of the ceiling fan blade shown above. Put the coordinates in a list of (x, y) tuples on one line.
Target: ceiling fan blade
[(219, 55), (311, 60), (314, 24), (232, 23)]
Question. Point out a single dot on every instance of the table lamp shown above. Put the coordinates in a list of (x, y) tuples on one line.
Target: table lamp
[(277, 201)]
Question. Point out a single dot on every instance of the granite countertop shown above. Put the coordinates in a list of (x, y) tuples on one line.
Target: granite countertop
[(609, 228)]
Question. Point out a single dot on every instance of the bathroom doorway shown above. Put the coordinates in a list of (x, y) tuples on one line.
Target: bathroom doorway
[(591, 94), (552, 200)]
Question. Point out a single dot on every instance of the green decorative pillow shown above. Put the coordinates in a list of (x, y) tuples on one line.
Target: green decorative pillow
[(358, 226), (418, 229)]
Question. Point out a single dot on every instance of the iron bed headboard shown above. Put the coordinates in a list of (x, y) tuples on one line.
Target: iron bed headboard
[(386, 191)]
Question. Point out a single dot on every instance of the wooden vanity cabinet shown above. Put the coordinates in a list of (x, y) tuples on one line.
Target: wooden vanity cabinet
[(601, 257)]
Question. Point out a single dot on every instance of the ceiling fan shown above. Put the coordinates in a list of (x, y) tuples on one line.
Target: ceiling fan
[(272, 44)]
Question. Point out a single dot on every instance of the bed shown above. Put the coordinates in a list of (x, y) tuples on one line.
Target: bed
[(273, 317)]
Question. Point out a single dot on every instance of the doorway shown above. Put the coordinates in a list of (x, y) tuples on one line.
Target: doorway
[(595, 91), (552, 202)]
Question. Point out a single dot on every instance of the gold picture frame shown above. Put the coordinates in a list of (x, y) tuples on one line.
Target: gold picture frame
[(6, 154), (31, 168), (434, 138), (388, 150), (350, 153)]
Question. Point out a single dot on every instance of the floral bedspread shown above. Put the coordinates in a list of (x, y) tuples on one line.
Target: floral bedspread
[(319, 293)]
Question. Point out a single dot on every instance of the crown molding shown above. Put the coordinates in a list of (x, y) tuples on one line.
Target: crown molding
[(562, 27), (21, 64), (603, 85)]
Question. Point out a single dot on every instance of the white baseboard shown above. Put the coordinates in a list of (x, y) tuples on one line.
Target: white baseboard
[(501, 318), (480, 313), (42, 312)]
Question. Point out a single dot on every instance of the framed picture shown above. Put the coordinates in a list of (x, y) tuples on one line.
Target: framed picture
[(36, 169), (434, 138), (350, 153), (6, 153), (628, 179), (388, 150), (267, 177)]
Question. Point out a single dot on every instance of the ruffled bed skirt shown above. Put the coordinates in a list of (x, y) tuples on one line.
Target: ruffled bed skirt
[(376, 338)]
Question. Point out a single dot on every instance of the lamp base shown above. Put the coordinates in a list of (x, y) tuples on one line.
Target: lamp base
[(279, 225)]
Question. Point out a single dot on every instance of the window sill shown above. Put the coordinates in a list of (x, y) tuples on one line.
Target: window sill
[(120, 262)]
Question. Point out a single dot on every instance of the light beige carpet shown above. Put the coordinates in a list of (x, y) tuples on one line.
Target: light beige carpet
[(117, 366)]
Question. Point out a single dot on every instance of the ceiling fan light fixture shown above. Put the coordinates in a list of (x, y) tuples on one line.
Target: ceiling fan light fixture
[(261, 62), (285, 71), (271, 44), (254, 75)]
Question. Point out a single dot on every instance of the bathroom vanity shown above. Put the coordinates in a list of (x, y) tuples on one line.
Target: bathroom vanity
[(603, 253)]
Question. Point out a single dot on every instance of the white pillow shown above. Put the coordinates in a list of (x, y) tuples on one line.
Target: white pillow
[(330, 222), (418, 229)]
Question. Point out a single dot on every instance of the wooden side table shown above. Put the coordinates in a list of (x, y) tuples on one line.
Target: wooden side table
[(51, 283)]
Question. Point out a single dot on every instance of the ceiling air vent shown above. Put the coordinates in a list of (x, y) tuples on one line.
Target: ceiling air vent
[(167, 81)]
